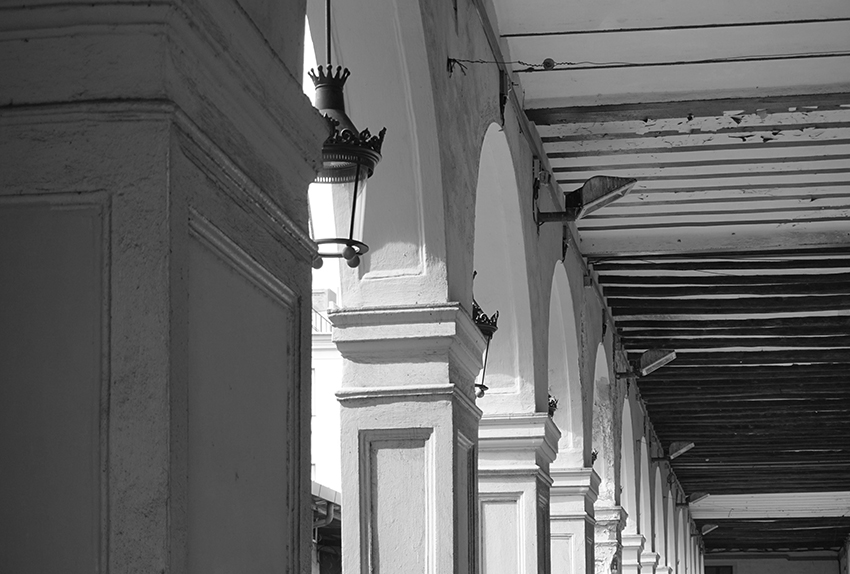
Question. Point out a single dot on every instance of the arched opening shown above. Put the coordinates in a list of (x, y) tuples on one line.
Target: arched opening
[(604, 428), (501, 283), (670, 532), (682, 531), (564, 381), (628, 471), (390, 86), (658, 522), (645, 500)]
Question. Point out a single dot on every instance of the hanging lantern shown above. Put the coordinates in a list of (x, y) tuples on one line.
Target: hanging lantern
[(488, 327), (349, 158)]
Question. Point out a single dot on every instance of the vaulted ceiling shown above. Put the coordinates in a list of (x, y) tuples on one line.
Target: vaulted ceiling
[(733, 248)]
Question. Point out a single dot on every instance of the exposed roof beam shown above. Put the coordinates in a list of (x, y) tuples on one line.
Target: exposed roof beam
[(785, 505)]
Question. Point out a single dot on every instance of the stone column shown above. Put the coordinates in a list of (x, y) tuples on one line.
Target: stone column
[(514, 456), (409, 438), (648, 562), (572, 495), (154, 279), (665, 569), (632, 549), (610, 520)]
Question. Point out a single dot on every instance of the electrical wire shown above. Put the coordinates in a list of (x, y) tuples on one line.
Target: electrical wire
[(551, 65)]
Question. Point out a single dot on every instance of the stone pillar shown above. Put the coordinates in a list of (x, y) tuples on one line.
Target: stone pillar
[(648, 562), (610, 520), (514, 456), (844, 558), (665, 569), (573, 493), (632, 549), (409, 438), (154, 279)]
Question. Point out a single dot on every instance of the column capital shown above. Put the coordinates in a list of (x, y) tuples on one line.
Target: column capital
[(409, 345), (611, 517), (649, 559), (573, 493), (517, 441), (634, 541)]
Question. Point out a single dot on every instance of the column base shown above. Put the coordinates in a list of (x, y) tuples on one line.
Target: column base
[(513, 484), (632, 549), (572, 521), (610, 521), (648, 562)]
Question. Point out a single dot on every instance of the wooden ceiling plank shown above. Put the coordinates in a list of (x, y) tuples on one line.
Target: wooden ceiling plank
[(803, 373), (820, 322), (648, 208), (838, 173), (633, 343), (707, 264), (753, 305), (665, 164), (826, 124), (608, 280), (681, 109), (811, 287), (684, 145), (684, 330)]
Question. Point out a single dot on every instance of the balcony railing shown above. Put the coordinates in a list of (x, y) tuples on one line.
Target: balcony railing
[(321, 324)]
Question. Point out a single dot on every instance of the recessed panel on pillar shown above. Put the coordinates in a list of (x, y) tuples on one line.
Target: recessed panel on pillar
[(397, 501), (243, 345), (51, 375), (500, 523)]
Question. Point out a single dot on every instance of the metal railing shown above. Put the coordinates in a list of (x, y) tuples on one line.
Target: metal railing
[(321, 323)]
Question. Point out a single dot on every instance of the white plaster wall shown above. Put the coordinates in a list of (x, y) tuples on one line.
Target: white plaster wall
[(327, 380)]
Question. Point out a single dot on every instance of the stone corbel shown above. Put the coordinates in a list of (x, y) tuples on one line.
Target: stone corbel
[(436, 342), (517, 443), (648, 562)]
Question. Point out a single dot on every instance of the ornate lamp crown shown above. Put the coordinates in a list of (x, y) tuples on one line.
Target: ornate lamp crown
[(487, 325), (346, 147)]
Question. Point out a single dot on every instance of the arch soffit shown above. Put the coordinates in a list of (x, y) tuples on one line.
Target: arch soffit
[(670, 534), (391, 86), (644, 500), (628, 470), (658, 518), (603, 425), (564, 379), (502, 281)]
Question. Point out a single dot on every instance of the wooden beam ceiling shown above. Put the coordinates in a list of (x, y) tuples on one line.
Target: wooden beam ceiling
[(735, 253), (734, 246)]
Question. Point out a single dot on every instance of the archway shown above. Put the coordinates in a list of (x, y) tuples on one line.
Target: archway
[(658, 522), (628, 471), (402, 210), (645, 501), (604, 429), (564, 380), (670, 533), (501, 283), (682, 532)]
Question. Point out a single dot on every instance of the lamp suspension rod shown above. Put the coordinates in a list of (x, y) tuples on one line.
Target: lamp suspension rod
[(486, 356), (354, 200), (328, 33)]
